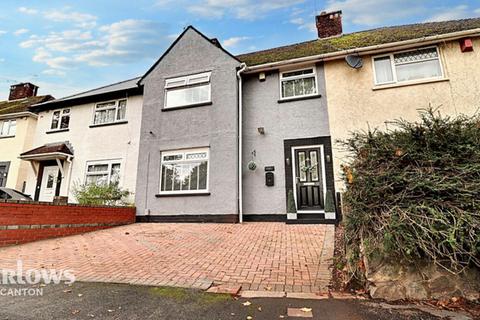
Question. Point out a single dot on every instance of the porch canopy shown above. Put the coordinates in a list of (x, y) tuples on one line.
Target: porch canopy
[(58, 152)]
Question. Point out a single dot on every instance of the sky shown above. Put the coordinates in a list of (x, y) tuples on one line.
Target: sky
[(66, 47)]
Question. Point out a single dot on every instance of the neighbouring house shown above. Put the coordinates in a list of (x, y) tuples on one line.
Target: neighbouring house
[(388, 73), (17, 129), (90, 137)]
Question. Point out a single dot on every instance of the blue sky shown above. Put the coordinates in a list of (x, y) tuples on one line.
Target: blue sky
[(70, 46)]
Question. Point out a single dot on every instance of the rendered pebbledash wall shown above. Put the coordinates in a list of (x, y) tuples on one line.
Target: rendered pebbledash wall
[(213, 126), (281, 121)]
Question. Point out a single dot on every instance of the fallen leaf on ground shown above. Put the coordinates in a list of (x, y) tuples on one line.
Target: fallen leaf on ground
[(281, 316), (249, 318), (306, 309), (110, 310), (247, 303), (75, 311), (259, 309), (80, 294), (67, 291)]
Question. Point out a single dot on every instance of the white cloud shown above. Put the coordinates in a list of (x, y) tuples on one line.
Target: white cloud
[(241, 9), (81, 20), (28, 10), (233, 41), (458, 12), (121, 42), (54, 72), (299, 21), (20, 31), (2, 32)]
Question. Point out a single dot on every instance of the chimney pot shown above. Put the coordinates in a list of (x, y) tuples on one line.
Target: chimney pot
[(329, 24), (22, 90)]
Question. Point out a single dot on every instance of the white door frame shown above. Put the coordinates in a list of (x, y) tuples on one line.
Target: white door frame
[(324, 182)]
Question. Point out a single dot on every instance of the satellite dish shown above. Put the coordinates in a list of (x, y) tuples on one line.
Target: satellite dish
[(354, 61)]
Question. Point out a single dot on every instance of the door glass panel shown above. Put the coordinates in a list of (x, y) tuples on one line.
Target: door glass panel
[(50, 181), (314, 165), (302, 166)]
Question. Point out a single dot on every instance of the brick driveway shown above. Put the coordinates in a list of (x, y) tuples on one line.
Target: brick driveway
[(258, 256)]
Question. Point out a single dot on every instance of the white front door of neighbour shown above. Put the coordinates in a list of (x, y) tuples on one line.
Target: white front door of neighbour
[(49, 184)]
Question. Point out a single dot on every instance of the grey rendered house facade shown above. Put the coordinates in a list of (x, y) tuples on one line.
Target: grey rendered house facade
[(219, 145)]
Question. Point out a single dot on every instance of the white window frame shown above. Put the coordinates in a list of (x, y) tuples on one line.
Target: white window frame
[(9, 135), (184, 152), (60, 119), (185, 82), (282, 79), (394, 70), (109, 162), (117, 103)]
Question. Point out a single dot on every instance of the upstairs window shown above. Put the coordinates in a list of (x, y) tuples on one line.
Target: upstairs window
[(110, 112), (8, 128), (184, 171), (60, 120), (407, 66), (298, 83), (188, 91), (103, 172)]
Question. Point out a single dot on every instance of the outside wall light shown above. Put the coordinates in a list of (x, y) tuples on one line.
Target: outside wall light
[(261, 130)]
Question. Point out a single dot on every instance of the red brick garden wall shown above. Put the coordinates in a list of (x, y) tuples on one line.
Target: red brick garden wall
[(25, 222)]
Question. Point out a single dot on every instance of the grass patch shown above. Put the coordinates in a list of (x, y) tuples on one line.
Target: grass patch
[(194, 296)]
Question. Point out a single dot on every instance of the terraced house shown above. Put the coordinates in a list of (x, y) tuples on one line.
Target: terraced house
[(226, 138), (17, 129), (207, 136)]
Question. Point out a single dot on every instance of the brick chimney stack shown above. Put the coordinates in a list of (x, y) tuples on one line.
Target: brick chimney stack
[(22, 90), (329, 24)]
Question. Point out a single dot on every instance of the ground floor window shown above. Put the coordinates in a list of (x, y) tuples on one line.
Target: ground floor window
[(184, 171), (103, 172)]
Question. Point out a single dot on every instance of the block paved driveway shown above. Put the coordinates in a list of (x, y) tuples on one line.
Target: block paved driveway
[(258, 256)]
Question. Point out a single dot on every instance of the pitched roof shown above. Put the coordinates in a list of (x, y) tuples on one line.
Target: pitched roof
[(125, 85), (59, 147), (21, 105), (213, 41), (358, 40)]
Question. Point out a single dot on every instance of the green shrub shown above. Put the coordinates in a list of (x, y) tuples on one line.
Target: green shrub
[(100, 194), (413, 192)]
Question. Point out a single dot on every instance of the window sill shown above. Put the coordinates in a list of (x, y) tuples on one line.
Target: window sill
[(108, 124), (316, 96), (55, 131), (164, 195), (409, 83), (6, 137), (188, 106)]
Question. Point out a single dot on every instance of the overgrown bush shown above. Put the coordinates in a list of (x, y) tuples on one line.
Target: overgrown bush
[(413, 192), (100, 194)]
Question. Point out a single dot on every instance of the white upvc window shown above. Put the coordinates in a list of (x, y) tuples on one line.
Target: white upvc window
[(188, 91), (103, 172), (110, 112), (8, 128), (184, 171), (298, 83), (405, 66), (60, 120)]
